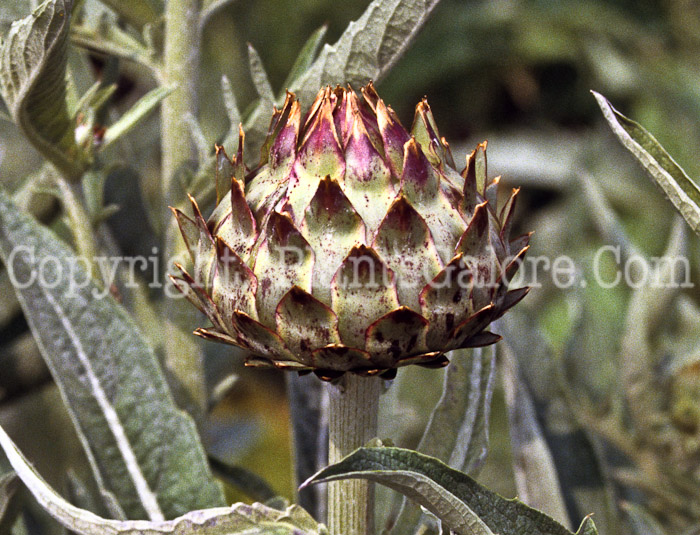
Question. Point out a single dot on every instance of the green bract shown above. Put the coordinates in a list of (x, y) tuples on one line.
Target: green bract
[(356, 246)]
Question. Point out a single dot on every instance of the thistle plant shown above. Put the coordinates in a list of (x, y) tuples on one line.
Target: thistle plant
[(317, 237), (356, 247)]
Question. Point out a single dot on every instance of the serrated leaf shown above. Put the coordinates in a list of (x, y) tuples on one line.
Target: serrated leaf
[(306, 56), (466, 507), (536, 475), (240, 518), (368, 48), (144, 452), (681, 190), (260, 79), (137, 113), (33, 84), (457, 432)]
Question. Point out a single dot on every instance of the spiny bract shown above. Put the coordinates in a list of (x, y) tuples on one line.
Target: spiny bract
[(355, 247)]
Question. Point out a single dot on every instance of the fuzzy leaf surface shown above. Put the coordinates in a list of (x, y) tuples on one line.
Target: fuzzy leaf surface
[(240, 518), (110, 39), (260, 79), (368, 48), (230, 103), (458, 427), (33, 84), (463, 505), (145, 453), (681, 190)]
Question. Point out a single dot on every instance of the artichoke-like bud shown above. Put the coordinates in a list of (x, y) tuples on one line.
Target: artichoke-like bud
[(355, 246)]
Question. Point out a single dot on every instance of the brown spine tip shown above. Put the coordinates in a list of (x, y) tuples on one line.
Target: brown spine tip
[(370, 95), (195, 209), (219, 150)]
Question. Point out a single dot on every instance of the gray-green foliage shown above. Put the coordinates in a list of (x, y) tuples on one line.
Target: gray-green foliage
[(615, 369), (458, 429), (368, 48), (103, 33), (240, 518), (135, 115), (463, 505), (457, 432), (555, 466), (109, 379), (655, 418), (535, 471), (137, 12), (678, 187), (146, 456), (33, 84), (646, 407)]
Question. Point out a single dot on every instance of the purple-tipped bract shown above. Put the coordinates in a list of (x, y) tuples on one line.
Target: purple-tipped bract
[(356, 246)]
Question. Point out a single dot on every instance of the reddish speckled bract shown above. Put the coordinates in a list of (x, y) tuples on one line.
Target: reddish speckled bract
[(356, 246)]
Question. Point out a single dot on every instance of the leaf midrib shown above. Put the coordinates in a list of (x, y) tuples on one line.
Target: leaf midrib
[(146, 495)]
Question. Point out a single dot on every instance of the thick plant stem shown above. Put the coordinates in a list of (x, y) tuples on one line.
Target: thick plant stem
[(352, 422), (180, 69)]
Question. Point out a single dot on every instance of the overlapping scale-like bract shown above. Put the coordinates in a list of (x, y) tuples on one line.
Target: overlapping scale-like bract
[(355, 247)]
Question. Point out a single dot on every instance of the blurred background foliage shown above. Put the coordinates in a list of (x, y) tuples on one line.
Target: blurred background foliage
[(515, 72)]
